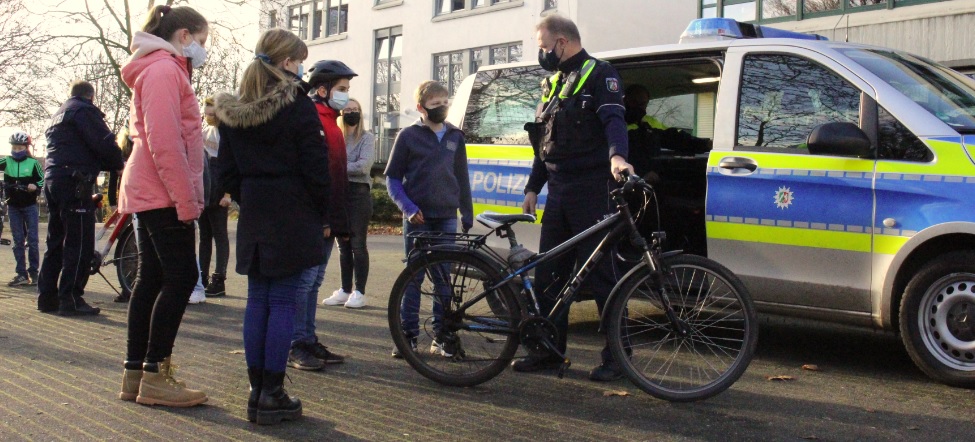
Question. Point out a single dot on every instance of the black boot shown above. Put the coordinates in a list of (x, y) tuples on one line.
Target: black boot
[(216, 288), (274, 404), (204, 280), (256, 376)]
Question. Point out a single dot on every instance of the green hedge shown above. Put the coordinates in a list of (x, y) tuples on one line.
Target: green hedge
[(384, 210)]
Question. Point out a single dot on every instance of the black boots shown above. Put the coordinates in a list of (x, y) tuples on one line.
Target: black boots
[(274, 405), (215, 286), (256, 376)]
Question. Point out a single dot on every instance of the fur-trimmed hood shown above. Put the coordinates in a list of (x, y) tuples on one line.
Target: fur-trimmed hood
[(232, 112)]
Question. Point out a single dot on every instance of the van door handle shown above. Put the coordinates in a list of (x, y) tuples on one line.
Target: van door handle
[(737, 163)]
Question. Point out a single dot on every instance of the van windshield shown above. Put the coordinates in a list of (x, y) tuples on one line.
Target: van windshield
[(944, 93)]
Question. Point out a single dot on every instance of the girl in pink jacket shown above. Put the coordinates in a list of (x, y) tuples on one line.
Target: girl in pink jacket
[(163, 186)]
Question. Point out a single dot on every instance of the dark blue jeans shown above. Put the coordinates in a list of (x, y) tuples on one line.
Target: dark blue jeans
[(410, 308), (23, 227), (269, 319), (308, 301)]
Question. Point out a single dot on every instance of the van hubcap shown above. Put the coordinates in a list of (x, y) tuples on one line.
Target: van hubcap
[(947, 319)]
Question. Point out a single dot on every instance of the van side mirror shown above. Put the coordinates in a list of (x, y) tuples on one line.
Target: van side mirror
[(843, 139)]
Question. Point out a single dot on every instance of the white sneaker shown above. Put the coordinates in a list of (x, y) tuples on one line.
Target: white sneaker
[(356, 300), (198, 296), (338, 297)]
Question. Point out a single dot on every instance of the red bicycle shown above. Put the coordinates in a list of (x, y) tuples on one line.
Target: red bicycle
[(126, 254)]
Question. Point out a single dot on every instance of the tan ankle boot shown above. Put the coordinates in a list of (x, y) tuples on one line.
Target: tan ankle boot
[(130, 384), (159, 388)]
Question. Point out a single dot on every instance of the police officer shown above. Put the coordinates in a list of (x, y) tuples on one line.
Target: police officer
[(578, 162), (80, 145)]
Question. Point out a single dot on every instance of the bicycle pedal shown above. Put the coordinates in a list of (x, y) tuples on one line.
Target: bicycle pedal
[(565, 366)]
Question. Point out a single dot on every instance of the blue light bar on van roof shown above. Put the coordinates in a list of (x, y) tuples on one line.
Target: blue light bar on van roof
[(711, 29)]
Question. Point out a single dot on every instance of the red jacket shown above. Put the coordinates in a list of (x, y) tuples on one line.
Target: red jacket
[(335, 143), (166, 165)]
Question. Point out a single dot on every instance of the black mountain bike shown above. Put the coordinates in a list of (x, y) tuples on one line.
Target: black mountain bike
[(682, 326)]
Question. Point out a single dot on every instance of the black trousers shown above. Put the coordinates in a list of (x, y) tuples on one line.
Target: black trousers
[(164, 281), (70, 245), (213, 229), (571, 208)]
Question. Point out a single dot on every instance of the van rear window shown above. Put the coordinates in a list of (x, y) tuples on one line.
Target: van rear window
[(501, 102), (941, 91)]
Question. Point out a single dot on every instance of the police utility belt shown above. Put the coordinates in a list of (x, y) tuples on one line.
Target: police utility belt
[(564, 127), (82, 183)]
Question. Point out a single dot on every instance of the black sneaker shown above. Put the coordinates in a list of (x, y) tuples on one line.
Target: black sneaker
[(19, 280), (81, 308), (396, 354), (301, 358), (531, 363), (321, 352), (607, 372)]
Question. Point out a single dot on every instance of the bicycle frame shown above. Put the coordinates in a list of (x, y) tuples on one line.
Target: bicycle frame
[(119, 221)]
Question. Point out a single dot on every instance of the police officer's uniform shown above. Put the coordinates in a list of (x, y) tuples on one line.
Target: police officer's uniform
[(80, 145), (573, 150)]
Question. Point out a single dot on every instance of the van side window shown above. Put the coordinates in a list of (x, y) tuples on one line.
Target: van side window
[(784, 97), (896, 142), (501, 102)]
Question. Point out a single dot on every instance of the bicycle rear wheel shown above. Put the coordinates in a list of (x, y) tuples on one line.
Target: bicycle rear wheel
[(720, 317), (451, 347), (126, 259)]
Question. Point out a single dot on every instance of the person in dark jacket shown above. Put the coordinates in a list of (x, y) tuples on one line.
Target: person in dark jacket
[(273, 163), (79, 145)]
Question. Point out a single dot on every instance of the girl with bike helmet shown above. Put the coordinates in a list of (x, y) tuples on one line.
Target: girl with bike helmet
[(23, 179)]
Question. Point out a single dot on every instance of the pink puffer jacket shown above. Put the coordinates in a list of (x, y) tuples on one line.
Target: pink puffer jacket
[(166, 166)]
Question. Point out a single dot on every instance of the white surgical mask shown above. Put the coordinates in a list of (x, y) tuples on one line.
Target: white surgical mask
[(196, 53), (338, 100)]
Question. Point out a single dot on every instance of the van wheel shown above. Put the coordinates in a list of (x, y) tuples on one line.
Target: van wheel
[(937, 319)]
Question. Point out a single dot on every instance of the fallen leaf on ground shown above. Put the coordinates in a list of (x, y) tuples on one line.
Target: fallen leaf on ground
[(810, 367), (609, 393), (810, 437), (237, 352), (913, 428), (871, 410), (780, 377)]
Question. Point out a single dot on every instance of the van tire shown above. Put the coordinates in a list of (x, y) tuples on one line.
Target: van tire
[(937, 319)]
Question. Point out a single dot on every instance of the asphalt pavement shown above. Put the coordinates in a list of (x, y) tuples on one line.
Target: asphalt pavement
[(59, 380)]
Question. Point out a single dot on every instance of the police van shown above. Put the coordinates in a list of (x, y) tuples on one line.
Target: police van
[(839, 185)]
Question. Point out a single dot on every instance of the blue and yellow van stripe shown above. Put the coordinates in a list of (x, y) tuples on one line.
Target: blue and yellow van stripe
[(498, 175), (898, 188)]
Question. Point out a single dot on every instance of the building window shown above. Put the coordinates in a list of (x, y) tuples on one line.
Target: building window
[(386, 89), (272, 19), (508, 53), (319, 18), (778, 10), (299, 19), (449, 70), (551, 4), (443, 7)]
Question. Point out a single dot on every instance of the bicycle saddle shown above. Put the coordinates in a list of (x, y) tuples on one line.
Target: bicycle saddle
[(495, 220)]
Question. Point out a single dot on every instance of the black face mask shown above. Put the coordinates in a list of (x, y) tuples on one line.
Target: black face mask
[(351, 118), (548, 60), (634, 115), (436, 115)]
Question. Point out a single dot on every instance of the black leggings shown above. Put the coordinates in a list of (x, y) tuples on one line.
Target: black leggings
[(164, 280), (213, 228)]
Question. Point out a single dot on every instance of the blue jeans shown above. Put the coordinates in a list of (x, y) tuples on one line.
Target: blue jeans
[(269, 318), (308, 301), (23, 225), (409, 310)]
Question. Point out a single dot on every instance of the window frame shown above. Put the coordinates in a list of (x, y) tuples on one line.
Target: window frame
[(844, 8), (468, 60), (319, 21), (471, 9)]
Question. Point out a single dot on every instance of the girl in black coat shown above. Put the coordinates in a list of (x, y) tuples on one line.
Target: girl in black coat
[(272, 162)]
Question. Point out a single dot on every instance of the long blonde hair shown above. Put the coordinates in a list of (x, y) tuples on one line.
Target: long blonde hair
[(358, 130), (273, 47)]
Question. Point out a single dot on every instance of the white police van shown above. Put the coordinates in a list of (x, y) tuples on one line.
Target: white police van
[(839, 186)]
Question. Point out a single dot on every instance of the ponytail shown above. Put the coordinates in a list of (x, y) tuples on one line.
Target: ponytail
[(163, 21), (273, 47)]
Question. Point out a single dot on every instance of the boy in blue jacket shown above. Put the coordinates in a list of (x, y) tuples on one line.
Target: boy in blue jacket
[(427, 178)]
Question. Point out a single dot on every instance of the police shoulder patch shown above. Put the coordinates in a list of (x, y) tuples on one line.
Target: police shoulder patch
[(613, 85)]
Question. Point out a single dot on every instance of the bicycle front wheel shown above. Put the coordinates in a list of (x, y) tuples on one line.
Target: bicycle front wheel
[(127, 259), (714, 307), (441, 339)]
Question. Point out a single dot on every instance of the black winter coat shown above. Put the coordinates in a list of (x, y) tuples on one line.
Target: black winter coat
[(272, 161)]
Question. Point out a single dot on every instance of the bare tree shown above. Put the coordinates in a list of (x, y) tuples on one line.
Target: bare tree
[(22, 102)]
